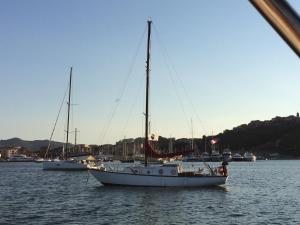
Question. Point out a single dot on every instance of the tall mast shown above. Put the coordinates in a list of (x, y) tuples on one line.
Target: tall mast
[(75, 144), (205, 143), (68, 121), (147, 90), (192, 141)]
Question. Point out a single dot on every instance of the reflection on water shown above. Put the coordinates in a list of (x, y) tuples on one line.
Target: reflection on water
[(159, 205), (263, 192)]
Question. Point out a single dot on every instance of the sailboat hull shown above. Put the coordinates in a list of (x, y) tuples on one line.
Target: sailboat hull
[(64, 165), (127, 179)]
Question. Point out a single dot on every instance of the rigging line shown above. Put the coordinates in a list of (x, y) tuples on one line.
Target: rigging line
[(57, 117), (177, 76), (106, 129), (187, 95), (74, 113), (122, 90), (173, 81), (179, 98), (131, 67), (132, 106)]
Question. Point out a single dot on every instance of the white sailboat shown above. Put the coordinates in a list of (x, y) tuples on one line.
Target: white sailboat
[(165, 175), (205, 156), (66, 163)]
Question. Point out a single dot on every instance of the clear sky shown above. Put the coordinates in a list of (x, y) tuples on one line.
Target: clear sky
[(217, 63)]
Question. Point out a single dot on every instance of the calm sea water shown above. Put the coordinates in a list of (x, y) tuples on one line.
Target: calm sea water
[(262, 192)]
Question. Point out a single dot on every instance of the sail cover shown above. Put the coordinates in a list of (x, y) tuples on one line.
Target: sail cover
[(155, 154)]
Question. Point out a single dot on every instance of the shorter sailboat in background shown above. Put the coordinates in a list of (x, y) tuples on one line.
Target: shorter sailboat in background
[(65, 163)]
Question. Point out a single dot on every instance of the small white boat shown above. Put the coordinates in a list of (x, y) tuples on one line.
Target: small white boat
[(20, 158), (248, 156)]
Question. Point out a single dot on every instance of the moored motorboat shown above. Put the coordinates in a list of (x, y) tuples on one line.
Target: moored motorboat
[(237, 157), (216, 156), (227, 156), (20, 158), (249, 156)]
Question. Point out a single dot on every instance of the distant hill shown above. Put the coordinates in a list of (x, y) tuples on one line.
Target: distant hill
[(32, 145), (280, 135)]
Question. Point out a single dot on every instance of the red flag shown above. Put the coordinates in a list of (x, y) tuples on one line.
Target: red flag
[(213, 141)]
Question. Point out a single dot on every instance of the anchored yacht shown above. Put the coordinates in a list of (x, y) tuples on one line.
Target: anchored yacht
[(165, 175)]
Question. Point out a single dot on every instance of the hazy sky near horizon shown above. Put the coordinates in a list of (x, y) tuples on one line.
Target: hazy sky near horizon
[(216, 63)]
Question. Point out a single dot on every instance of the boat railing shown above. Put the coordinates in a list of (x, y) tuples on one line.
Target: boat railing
[(110, 167)]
